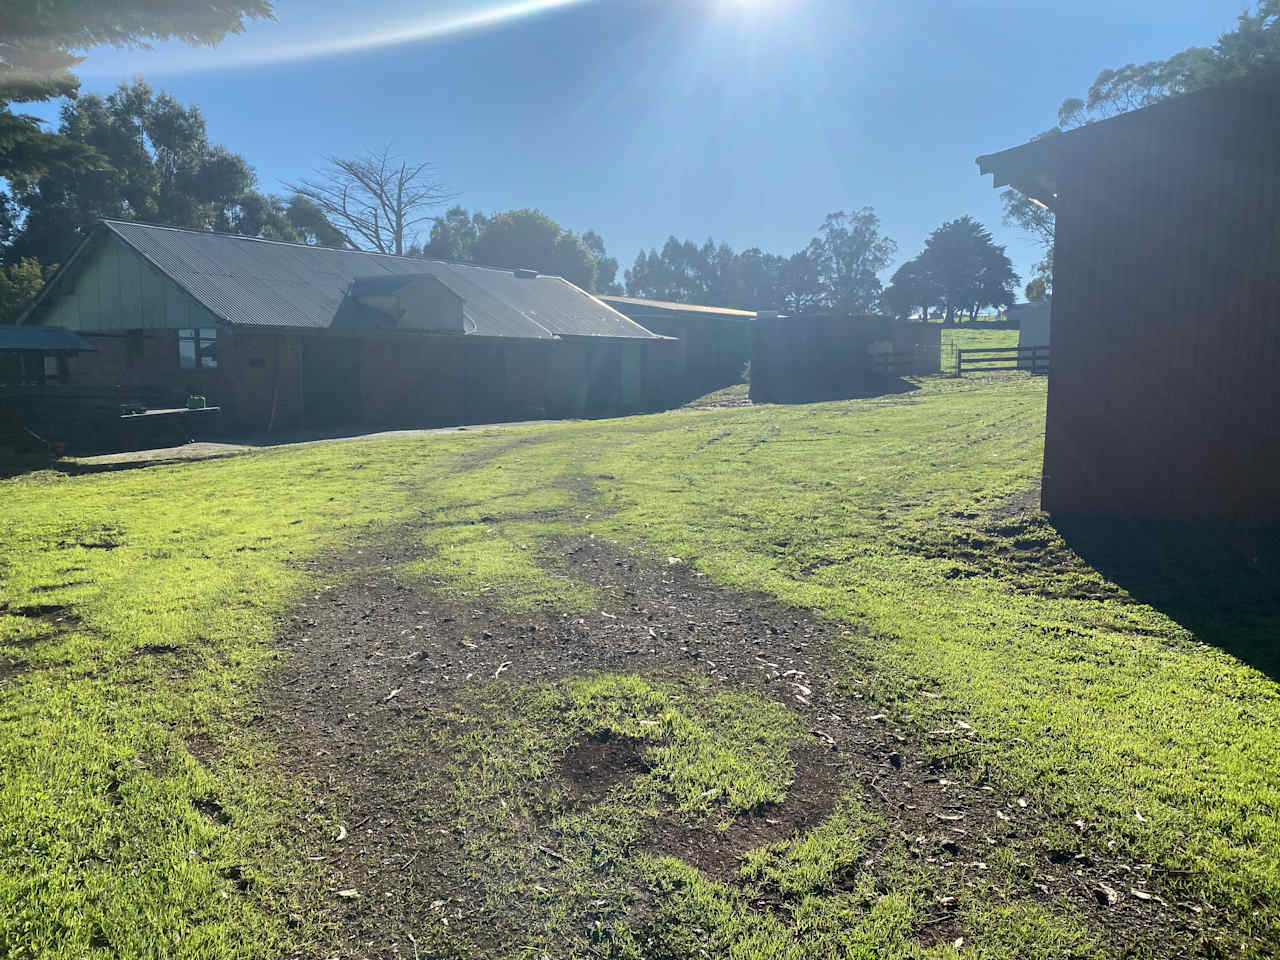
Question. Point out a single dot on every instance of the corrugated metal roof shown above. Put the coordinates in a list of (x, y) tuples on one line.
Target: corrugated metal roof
[(253, 282), (43, 339)]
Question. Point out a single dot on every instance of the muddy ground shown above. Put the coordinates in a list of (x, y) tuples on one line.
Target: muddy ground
[(369, 660)]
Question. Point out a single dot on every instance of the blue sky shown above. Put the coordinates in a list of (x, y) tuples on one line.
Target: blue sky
[(743, 120)]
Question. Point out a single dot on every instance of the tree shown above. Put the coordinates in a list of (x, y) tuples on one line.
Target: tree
[(453, 236), (838, 271), (37, 44), (849, 254), (296, 220), (38, 39), (961, 269), (523, 238), (799, 284), (912, 286), (531, 239), (680, 273), (1252, 45), (759, 279), (157, 164), (606, 267), (1041, 285), (19, 284), (377, 200), (1031, 216)]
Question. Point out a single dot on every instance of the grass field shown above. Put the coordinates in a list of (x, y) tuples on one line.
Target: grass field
[(954, 338), (144, 811)]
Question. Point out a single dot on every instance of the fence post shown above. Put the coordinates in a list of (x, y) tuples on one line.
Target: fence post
[(959, 354)]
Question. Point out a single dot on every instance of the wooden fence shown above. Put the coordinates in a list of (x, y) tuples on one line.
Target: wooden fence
[(1032, 359)]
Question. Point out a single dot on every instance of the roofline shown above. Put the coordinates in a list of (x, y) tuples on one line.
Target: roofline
[(45, 291), (216, 311), (106, 225), (374, 333), (1036, 155), (110, 221)]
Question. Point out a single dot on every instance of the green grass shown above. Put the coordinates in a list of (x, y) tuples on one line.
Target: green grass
[(132, 794), (965, 338)]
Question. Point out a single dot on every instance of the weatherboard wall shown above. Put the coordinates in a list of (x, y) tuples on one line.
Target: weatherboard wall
[(1165, 339), (112, 287)]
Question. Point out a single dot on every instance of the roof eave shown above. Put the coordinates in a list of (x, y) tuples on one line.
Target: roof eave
[(1030, 169)]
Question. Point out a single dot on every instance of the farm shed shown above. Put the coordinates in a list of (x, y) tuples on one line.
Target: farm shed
[(717, 340), (1033, 330), (827, 357), (1033, 322), (280, 334), (1165, 331)]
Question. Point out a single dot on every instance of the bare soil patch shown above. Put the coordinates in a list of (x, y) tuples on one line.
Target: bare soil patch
[(596, 765), (370, 659)]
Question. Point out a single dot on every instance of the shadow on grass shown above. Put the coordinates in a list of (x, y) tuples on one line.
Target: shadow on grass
[(1221, 584), (861, 388)]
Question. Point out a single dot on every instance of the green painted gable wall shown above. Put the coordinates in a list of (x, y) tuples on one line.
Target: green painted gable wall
[(113, 287)]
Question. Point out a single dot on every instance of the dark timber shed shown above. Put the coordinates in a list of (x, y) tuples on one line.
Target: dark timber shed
[(1165, 391)]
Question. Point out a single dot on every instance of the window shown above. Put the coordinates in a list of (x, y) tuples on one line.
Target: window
[(198, 348)]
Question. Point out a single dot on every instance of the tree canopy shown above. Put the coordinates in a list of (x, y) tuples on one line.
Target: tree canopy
[(39, 39), (524, 238), (1253, 44), (40, 42), (152, 161), (19, 284), (157, 165), (837, 271), (961, 270)]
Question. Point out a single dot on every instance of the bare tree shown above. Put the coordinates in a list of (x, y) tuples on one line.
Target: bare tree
[(376, 200)]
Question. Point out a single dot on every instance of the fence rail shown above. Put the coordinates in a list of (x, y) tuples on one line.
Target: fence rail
[(977, 360)]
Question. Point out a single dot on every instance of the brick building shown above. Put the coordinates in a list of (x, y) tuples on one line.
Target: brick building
[(281, 334)]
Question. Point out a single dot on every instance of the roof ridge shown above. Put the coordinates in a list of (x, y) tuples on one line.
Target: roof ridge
[(113, 221)]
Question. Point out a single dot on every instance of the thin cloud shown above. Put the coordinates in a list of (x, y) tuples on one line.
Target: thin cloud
[(251, 49)]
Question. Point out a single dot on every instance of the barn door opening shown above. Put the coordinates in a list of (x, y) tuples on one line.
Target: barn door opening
[(331, 381)]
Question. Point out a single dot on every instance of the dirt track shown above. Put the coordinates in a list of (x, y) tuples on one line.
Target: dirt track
[(372, 663)]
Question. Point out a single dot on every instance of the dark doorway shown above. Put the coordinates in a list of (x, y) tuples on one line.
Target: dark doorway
[(604, 391), (330, 381)]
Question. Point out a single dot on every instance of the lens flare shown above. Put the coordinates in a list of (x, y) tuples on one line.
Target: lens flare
[(279, 42)]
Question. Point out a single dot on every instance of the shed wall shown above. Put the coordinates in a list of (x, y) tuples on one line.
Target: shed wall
[(115, 288), (267, 380), (1166, 319), (800, 359), (716, 347)]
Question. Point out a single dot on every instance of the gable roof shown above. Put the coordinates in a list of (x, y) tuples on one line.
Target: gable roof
[(266, 283)]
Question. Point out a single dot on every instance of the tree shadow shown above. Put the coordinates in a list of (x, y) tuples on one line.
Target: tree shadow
[(1220, 583)]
